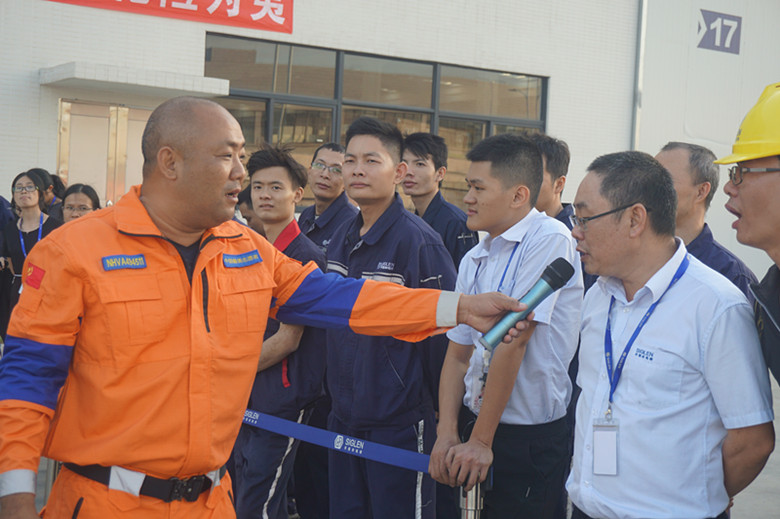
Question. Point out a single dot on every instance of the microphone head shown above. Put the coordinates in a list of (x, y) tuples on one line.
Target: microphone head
[(558, 273)]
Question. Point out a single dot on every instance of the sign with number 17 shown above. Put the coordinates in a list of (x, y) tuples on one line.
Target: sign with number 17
[(719, 31)]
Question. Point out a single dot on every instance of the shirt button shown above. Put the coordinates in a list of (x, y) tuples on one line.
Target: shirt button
[(587, 483), (603, 376), (587, 447), (626, 310)]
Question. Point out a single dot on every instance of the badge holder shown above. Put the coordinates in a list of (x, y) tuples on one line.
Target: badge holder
[(605, 445)]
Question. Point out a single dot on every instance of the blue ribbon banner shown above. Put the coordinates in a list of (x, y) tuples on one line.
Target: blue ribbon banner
[(339, 442)]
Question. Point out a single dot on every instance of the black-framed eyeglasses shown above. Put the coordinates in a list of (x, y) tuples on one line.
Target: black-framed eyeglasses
[(582, 222), (25, 189), (737, 172), (335, 169)]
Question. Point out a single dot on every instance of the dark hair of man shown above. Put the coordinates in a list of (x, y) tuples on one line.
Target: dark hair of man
[(332, 146), (514, 159), (43, 175), (390, 136), (269, 157), (245, 196), (702, 163), (173, 123), (38, 183), (87, 191), (555, 152), (422, 144), (632, 177)]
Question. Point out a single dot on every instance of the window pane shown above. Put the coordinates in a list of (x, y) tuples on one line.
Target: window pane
[(379, 80), (265, 66), (460, 135), (511, 128), (490, 93), (251, 115), (407, 122)]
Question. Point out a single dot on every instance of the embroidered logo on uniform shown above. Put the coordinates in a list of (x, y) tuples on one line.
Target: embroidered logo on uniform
[(644, 354), (338, 442), (124, 262), (241, 260), (385, 265), (34, 275)]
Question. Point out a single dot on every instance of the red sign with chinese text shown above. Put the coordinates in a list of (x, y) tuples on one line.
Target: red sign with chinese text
[(266, 15)]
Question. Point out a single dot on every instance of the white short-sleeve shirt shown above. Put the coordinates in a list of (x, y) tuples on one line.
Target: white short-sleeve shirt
[(694, 371), (511, 263)]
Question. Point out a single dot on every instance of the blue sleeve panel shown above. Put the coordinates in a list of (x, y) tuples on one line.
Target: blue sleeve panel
[(33, 371), (307, 306)]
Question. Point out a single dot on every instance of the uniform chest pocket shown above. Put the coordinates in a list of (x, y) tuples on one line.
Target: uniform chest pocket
[(655, 378), (134, 308), (246, 300)]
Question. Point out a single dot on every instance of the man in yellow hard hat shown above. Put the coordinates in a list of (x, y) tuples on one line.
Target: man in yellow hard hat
[(754, 191)]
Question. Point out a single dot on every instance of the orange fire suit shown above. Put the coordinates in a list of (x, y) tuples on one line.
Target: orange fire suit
[(157, 370)]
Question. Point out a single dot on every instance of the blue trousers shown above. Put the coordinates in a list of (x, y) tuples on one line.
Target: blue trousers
[(364, 489)]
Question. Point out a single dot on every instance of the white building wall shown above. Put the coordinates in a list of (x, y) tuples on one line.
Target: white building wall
[(586, 48), (698, 95)]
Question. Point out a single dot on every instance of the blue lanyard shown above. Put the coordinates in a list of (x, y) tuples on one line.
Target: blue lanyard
[(21, 237), (506, 268), (615, 377)]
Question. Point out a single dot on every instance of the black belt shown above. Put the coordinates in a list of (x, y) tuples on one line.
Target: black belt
[(167, 490)]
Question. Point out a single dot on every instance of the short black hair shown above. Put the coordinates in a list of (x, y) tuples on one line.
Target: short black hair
[(514, 159), (42, 174), (390, 136), (332, 146), (86, 190), (269, 156), (702, 163), (555, 152), (631, 177), (423, 144)]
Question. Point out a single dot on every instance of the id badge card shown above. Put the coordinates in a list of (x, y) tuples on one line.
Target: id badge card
[(605, 445)]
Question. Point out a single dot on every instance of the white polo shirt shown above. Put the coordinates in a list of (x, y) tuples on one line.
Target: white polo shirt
[(695, 370), (511, 264)]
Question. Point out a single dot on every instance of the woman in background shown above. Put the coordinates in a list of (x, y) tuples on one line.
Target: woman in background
[(79, 199)]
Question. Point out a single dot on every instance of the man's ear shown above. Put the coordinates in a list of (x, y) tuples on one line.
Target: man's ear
[(702, 191), (298, 195), (168, 162), (638, 220), (439, 175), (559, 184), (400, 172), (520, 196)]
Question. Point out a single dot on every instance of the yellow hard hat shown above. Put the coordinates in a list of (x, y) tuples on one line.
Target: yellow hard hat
[(759, 133)]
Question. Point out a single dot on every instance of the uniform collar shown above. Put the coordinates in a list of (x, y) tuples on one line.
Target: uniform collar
[(564, 214), (385, 222), (702, 242), (286, 237), (132, 218), (333, 209), (514, 234), (436, 203)]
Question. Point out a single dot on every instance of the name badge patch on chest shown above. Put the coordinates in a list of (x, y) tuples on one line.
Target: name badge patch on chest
[(137, 261), (241, 260)]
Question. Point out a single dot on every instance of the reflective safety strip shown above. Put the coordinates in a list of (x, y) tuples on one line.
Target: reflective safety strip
[(290, 442), (130, 481), (418, 487)]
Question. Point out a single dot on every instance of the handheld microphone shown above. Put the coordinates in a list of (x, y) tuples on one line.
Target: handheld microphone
[(554, 277)]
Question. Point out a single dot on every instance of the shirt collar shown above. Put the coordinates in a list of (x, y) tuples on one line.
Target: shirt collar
[(332, 210), (514, 234), (702, 242), (655, 286), (388, 218), (433, 207), (287, 236)]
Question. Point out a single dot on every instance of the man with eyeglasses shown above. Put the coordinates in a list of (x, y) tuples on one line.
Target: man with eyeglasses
[(754, 189), (695, 178), (673, 420), (331, 206)]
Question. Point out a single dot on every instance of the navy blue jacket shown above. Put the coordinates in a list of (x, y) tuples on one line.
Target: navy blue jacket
[(767, 312), (321, 229), (450, 222), (296, 381), (382, 381), (720, 259)]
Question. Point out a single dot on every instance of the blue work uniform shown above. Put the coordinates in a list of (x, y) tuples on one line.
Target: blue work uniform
[(263, 461), (720, 259), (384, 389), (450, 222), (320, 229)]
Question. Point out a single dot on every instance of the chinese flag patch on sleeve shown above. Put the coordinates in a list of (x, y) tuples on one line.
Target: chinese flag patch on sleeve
[(34, 275)]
